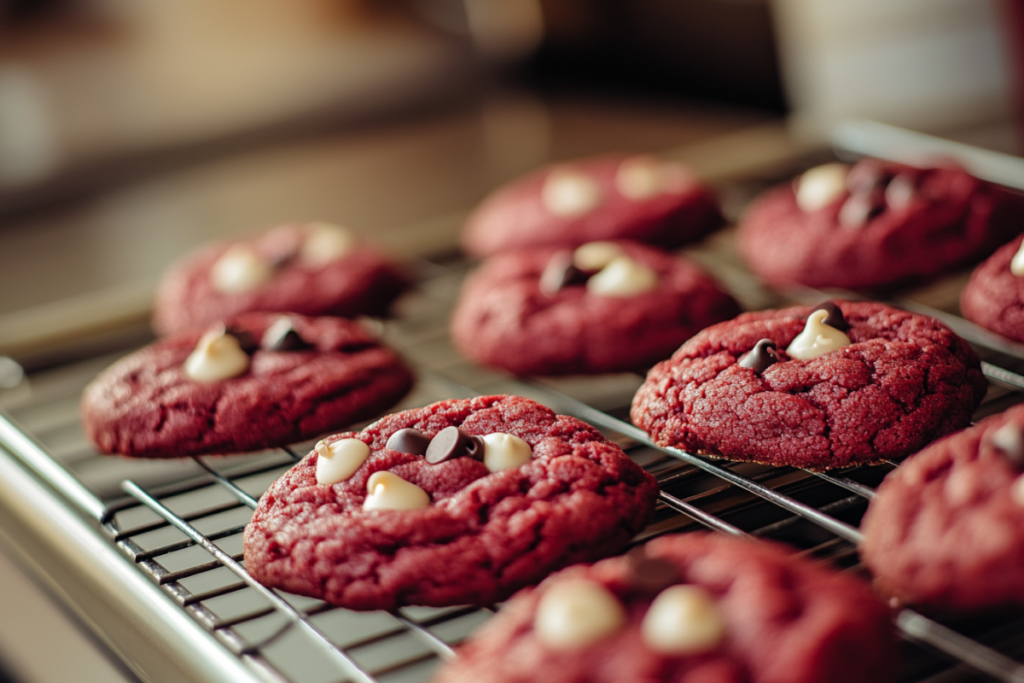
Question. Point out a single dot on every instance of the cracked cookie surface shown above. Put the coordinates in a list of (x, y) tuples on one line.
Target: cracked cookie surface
[(145, 405), (946, 529), (904, 381), (504, 319), (786, 620), (949, 218), (484, 534), (994, 297)]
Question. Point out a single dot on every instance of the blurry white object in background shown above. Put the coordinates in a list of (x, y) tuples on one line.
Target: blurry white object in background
[(27, 147), (922, 64)]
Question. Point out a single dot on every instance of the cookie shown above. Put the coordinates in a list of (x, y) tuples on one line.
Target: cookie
[(946, 529), (310, 269), (875, 224), (874, 384), (603, 307), (601, 198), (257, 381), (994, 296), (688, 608), (460, 502)]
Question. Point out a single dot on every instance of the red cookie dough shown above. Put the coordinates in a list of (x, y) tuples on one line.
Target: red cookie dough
[(946, 529), (362, 282), (905, 380), (503, 319), (144, 405), (949, 219), (484, 536), (994, 297), (787, 620), (516, 215)]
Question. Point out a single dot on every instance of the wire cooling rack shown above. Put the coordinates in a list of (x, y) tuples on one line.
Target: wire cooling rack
[(177, 525), (180, 523)]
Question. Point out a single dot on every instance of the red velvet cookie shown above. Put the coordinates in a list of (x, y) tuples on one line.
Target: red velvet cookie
[(468, 532), (994, 297), (899, 381), (532, 311), (693, 608), (946, 528), (875, 224), (310, 269), (290, 378), (601, 198)]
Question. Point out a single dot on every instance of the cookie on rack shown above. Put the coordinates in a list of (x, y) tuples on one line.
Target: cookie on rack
[(874, 224), (946, 528), (254, 381), (306, 268), (601, 198), (694, 607), (460, 502), (845, 384), (603, 307), (994, 296)]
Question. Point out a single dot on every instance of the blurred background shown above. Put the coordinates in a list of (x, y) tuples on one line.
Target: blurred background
[(134, 130)]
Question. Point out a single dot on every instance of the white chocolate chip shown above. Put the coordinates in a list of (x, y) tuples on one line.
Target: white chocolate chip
[(568, 193), (1009, 440), (820, 186), (623, 277), (326, 242), (575, 613), (339, 460), (217, 356), (594, 256), (683, 620), (505, 451), (1017, 264), (644, 177), (388, 491), (1017, 490), (239, 269), (817, 338)]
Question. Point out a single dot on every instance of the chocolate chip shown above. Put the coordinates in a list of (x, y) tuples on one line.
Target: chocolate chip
[(761, 357), (867, 176), (1008, 441), (835, 318), (900, 191), (452, 442), (858, 209), (245, 340), (408, 440), (283, 337), (561, 273), (648, 576)]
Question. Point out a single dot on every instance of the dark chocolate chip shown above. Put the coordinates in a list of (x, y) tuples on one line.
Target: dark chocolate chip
[(648, 576), (835, 317), (452, 442), (761, 357), (283, 338), (408, 440), (245, 340), (900, 191), (561, 273), (281, 257), (867, 176), (858, 209)]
